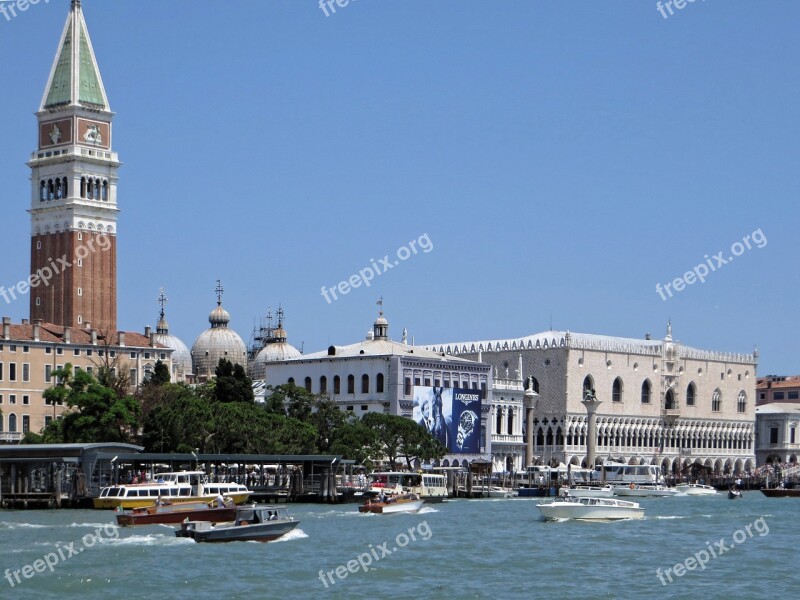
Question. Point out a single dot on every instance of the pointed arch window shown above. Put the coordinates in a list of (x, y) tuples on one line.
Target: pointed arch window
[(83, 187), (691, 392), (51, 190), (669, 401), (616, 390), (64, 187), (741, 402), (588, 386), (43, 191), (716, 401), (646, 389), (105, 190)]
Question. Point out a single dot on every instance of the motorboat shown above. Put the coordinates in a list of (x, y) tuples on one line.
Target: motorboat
[(174, 513), (184, 486), (431, 487), (695, 489), (641, 490), (258, 523), (734, 494), (781, 492), (593, 491), (392, 504), (501, 492), (590, 509)]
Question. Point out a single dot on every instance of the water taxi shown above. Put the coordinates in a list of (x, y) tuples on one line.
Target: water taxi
[(696, 489), (252, 524), (183, 486), (172, 514), (590, 509), (392, 504), (430, 487)]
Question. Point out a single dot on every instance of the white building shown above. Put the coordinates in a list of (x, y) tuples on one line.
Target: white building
[(777, 432), (379, 375), (662, 402)]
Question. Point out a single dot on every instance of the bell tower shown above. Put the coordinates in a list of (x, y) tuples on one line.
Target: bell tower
[(74, 191)]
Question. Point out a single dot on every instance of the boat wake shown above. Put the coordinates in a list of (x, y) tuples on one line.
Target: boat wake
[(8, 525), (426, 510), (294, 534)]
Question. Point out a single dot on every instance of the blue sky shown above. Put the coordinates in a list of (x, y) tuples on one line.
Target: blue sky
[(562, 157)]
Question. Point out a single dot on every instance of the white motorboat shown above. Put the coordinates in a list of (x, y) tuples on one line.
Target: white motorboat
[(588, 491), (501, 492), (642, 490), (695, 489), (590, 509)]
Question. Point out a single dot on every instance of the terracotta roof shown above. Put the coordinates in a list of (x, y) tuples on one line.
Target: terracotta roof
[(48, 332), (764, 383)]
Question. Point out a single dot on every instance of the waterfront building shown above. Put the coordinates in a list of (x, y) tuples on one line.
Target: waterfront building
[(506, 420), (778, 388), (777, 438), (181, 357), (661, 402), (31, 352), (216, 342), (378, 374), (74, 192)]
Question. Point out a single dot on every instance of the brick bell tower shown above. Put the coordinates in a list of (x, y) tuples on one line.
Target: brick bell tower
[(74, 191)]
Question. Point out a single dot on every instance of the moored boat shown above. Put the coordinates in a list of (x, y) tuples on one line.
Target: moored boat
[(645, 490), (590, 509), (781, 492), (392, 504), (695, 489), (174, 513), (579, 491), (252, 524), (502, 492)]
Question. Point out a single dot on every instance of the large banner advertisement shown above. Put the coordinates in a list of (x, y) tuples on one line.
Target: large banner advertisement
[(452, 415)]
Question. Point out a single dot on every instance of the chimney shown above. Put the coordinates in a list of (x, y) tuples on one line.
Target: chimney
[(67, 335), (6, 328), (121, 338), (147, 331), (37, 326), (647, 336), (152, 339), (25, 322), (94, 337)]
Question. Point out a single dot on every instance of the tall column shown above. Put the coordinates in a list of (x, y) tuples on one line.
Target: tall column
[(530, 401), (591, 402)]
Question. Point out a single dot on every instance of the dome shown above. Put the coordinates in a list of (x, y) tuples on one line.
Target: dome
[(219, 316), (181, 357), (216, 343), (275, 352)]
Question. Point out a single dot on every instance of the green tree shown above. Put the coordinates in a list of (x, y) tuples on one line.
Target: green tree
[(232, 384), (355, 441), (160, 374), (179, 421), (401, 437)]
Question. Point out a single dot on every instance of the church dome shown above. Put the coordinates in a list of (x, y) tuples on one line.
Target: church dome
[(217, 342), (181, 357), (276, 348)]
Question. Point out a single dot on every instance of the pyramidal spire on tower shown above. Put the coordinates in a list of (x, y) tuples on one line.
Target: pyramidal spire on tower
[(75, 77)]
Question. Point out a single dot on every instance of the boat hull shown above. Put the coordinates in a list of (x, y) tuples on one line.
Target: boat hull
[(174, 514), (261, 532), (696, 490), (782, 493), (388, 508)]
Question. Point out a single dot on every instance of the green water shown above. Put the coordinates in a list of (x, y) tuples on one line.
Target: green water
[(460, 549)]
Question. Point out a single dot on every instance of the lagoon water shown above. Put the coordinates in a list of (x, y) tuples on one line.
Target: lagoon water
[(462, 549)]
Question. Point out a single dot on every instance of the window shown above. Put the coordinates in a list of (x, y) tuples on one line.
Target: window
[(26, 349), (39, 245), (26, 372), (349, 408), (12, 371), (323, 385), (89, 370), (427, 382), (12, 399), (26, 400), (308, 384), (365, 384), (80, 291), (12, 423), (47, 420), (669, 401), (691, 391), (792, 395), (351, 384), (1, 371), (113, 353), (290, 381), (777, 395), (132, 375), (88, 353), (741, 402), (616, 390), (48, 350), (588, 386), (791, 435), (337, 384), (39, 303), (1, 400), (12, 347), (379, 384), (146, 356), (59, 351), (646, 392), (406, 386), (416, 381), (133, 355), (163, 356), (773, 435), (80, 262), (716, 401), (76, 352)]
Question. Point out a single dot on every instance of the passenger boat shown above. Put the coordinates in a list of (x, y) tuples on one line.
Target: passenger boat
[(695, 489), (392, 504), (642, 490), (252, 524), (617, 473), (174, 513), (502, 492), (184, 486), (579, 491), (590, 509), (430, 487)]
